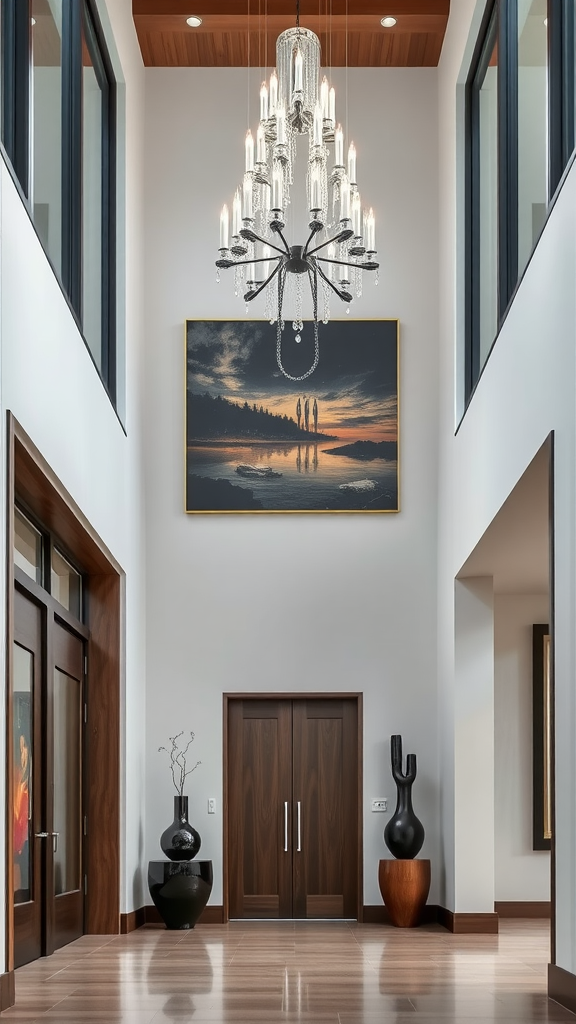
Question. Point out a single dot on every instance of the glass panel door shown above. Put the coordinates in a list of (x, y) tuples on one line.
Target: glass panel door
[(22, 718), (65, 908), (27, 780), (67, 782)]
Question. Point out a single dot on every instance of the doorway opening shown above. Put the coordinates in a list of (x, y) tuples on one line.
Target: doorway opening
[(515, 556), (63, 686)]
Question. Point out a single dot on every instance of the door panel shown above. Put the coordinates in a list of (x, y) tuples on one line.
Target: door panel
[(27, 781), (47, 716), (259, 789), (293, 808), (65, 851), (325, 784)]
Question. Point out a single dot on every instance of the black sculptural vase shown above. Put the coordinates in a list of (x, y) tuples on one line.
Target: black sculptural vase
[(180, 841), (404, 833)]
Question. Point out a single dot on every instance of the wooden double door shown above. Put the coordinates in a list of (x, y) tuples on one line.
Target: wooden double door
[(47, 708), (293, 832)]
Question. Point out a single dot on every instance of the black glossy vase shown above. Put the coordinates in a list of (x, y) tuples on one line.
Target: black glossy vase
[(180, 841), (404, 833)]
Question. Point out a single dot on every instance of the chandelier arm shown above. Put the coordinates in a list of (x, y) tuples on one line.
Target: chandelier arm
[(344, 263), (253, 237), (261, 259), (252, 295), (336, 238), (313, 232), (341, 295), (278, 231)]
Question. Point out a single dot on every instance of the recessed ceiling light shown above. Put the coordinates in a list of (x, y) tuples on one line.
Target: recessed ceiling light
[(194, 21), (388, 22)]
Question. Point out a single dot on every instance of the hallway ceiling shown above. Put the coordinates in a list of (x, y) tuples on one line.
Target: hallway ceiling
[(515, 548), (238, 33)]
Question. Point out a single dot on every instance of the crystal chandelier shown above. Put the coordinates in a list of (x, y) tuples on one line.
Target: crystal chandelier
[(341, 238)]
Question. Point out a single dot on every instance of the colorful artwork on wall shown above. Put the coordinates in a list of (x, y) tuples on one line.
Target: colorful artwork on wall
[(257, 442)]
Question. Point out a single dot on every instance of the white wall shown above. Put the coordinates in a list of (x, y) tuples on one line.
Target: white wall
[(526, 390), (521, 873), (228, 606), (49, 383)]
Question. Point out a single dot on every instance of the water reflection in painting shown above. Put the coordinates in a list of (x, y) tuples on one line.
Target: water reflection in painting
[(259, 442)]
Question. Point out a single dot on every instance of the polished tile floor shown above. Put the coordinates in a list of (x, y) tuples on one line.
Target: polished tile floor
[(293, 973)]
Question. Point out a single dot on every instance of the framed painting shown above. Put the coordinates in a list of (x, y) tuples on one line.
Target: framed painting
[(259, 442), (542, 737)]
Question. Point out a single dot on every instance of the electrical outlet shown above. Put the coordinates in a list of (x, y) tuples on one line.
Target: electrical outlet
[(379, 804), (211, 805)]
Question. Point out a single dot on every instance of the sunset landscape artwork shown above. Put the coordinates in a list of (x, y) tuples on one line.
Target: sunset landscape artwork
[(259, 442)]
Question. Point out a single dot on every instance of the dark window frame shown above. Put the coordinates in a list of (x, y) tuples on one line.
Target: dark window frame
[(79, 20), (561, 143)]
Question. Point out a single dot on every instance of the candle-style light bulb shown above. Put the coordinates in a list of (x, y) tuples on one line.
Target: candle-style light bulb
[(352, 163), (249, 147), (331, 256), (339, 147), (250, 275), (298, 87), (332, 105), (315, 189), (273, 95), (277, 187), (263, 102), (344, 198), (224, 227), (371, 231), (324, 90), (266, 253), (260, 144), (247, 197), (357, 215), (236, 214)]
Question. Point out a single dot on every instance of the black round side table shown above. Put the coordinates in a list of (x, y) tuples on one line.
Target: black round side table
[(180, 890)]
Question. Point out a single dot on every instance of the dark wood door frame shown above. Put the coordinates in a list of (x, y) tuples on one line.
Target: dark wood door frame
[(293, 695), (32, 481)]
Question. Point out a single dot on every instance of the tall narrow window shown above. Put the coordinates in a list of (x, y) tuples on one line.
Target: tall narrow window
[(532, 126), (46, 124), (521, 132), (94, 102), (484, 115), (58, 125)]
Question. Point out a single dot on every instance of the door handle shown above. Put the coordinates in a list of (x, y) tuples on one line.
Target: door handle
[(285, 826), (55, 841), (299, 846)]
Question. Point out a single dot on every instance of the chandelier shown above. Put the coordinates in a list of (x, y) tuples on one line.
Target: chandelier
[(341, 235)]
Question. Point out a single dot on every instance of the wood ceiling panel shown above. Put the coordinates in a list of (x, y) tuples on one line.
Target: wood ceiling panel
[(183, 8), (232, 40)]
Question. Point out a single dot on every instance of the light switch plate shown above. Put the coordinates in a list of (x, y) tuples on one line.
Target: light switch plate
[(211, 805), (379, 804)]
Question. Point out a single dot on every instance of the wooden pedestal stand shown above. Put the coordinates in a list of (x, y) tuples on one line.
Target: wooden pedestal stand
[(404, 885)]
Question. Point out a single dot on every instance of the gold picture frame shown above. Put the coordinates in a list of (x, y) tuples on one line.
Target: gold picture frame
[(257, 442)]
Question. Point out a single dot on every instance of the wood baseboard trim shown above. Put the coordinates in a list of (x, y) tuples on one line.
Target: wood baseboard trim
[(7, 990), (210, 915), (472, 924), (378, 914), (562, 987), (523, 908), (130, 922)]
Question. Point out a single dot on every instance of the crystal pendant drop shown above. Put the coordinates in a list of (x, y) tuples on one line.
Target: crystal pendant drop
[(218, 276), (298, 339)]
